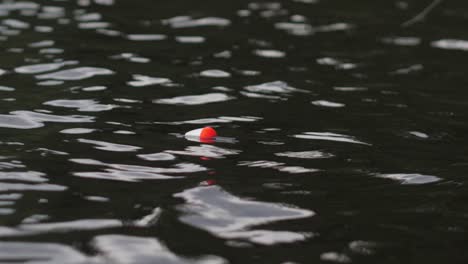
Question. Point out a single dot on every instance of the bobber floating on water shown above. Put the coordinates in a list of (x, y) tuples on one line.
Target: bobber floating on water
[(206, 134)]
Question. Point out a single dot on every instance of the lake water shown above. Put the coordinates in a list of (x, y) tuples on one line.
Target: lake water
[(342, 130)]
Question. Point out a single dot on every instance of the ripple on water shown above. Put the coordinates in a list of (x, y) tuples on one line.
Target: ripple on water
[(333, 27), (88, 16), (226, 216), (338, 64), (402, 41), (272, 54), (314, 154), (40, 252), (42, 44), (108, 146), (94, 88), (40, 68), (60, 227), (335, 257), (14, 177), (142, 80), (204, 150), (28, 176), (279, 166), (12, 6), (93, 25), (221, 119), (131, 57), (130, 249), (14, 23), (28, 119), (146, 37), (157, 156), (330, 104), (84, 105), (330, 137), (297, 29), (363, 247), (195, 99), (215, 74), (6, 187), (190, 39), (349, 89), (135, 173), (77, 130), (6, 89), (451, 44), (410, 178), (79, 73), (265, 90), (187, 22), (419, 134)]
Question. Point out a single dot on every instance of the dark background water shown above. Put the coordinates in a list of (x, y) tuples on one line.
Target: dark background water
[(343, 134)]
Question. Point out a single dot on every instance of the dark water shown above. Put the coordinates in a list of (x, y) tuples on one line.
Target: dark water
[(343, 134)]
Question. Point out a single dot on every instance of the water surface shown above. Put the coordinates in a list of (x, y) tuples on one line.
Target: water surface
[(342, 133)]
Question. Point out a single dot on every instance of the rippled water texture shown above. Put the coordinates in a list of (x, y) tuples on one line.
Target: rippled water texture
[(342, 132)]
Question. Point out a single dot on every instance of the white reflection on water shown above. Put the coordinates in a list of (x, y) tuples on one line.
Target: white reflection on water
[(29, 176), (227, 216), (402, 41), (338, 64), (28, 229), (4, 187), (142, 80), (349, 89), (325, 103), (39, 68), (313, 154), (28, 119), (451, 44), (410, 178), (272, 54), (335, 257), (157, 156), (187, 22), (363, 247), (204, 150), (419, 134), (190, 39), (329, 137), (195, 99), (276, 87), (75, 225), (221, 119), (108, 146), (150, 219), (279, 166), (93, 25), (118, 249), (14, 23), (304, 29), (5, 88), (215, 74), (77, 130), (297, 29), (146, 37), (39, 253), (79, 73), (135, 173), (131, 57), (140, 250), (83, 105)]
